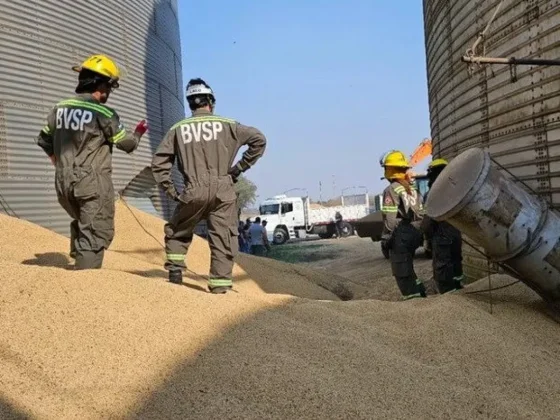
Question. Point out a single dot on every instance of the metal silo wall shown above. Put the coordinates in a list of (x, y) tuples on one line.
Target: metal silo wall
[(517, 122), (39, 42)]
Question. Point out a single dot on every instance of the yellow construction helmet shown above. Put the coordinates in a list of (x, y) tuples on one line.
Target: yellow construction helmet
[(394, 158), (103, 66), (437, 162)]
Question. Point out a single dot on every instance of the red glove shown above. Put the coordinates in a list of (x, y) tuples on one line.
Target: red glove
[(141, 128)]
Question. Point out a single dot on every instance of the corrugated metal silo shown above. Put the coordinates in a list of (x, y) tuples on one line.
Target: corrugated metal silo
[(40, 40), (513, 112)]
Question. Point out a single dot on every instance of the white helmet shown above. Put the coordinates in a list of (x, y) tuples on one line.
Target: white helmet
[(199, 90)]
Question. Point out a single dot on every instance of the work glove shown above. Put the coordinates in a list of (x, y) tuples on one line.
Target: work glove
[(141, 128), (171, 192), (235, 172)]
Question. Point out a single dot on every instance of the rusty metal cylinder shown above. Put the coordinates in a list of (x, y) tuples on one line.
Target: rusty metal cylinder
[(474, 196)]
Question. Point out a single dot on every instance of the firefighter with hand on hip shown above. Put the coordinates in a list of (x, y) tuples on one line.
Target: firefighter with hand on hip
[(205, 146), (446, 243), (79, 138), (402, 216)]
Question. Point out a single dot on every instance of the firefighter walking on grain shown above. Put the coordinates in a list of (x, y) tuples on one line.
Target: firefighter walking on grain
[(402, 216), (79, 138), (446, 243), (205, 146)]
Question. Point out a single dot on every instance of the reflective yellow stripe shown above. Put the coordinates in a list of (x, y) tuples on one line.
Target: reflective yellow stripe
[(88, 105), (118, 137), (220, 282), (176, 257), (46, 129), (390, 209), (209, 118), (416, 295)]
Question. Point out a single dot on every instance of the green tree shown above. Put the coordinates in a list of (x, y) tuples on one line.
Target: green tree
[(246, 192)]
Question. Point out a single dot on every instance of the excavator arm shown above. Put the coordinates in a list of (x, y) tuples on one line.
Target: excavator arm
[(423, 150)]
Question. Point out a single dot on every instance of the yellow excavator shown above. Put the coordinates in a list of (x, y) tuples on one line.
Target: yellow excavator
[(371, 226)]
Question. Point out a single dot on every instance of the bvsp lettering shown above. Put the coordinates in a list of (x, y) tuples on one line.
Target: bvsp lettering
[(73, 119), (198, 131)]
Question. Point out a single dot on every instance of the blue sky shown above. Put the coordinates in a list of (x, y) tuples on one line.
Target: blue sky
[(332, 85)]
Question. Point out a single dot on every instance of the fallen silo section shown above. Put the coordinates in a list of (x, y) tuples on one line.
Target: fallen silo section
[(515, 228), (40, 40)]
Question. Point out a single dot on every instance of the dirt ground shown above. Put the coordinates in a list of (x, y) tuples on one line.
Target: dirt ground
[(359, 260)]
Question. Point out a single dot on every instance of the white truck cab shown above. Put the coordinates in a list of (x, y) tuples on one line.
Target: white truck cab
[(292, 217)]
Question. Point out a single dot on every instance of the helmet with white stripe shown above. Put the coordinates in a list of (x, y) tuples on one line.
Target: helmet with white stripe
[(200, 94), (199, 89)]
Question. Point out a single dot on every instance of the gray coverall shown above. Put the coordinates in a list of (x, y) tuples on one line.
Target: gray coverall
[(447, 259), (402, 215), (205, 146), (81, 133)]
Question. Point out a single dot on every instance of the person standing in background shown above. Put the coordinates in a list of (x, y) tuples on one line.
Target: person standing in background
[(257, 235), (242, 238), (266, 242), (447, 243), (338, 224)]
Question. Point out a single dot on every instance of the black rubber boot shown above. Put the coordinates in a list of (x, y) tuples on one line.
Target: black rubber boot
[(176, 277), (220, 290), (385, 250), (422, 290)]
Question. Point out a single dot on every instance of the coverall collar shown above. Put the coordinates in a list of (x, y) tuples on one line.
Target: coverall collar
[(87, 96), (201, 112)]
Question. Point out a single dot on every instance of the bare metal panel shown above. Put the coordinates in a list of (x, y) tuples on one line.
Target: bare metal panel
[(515, 115), (40, 40)]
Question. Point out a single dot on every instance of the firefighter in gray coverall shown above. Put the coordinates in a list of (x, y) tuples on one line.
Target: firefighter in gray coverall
[(205, 146), (402, 216), (446, 243), (79, 137)]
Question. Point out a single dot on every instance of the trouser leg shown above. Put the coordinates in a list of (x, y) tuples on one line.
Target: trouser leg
[(179, 234), (89, 260), (66, 201), (73, 238), (405, 242), (258, 250), (95, 231), (442, 265), (457, 260), (222, 238), (385, 248), (403, 270)]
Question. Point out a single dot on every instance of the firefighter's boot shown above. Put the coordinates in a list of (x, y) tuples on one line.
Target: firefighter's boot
[(220, 290), (176, 277)]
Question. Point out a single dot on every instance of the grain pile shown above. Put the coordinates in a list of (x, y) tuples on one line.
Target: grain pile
[(123, 343)]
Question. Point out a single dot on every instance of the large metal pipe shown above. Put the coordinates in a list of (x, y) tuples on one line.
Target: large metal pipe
[(513, 226), (475, 197)]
